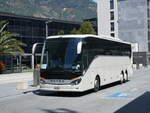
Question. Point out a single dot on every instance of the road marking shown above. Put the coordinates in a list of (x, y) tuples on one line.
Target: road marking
[(121, 95)]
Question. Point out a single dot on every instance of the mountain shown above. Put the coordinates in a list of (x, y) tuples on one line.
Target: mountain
[(72, 10)]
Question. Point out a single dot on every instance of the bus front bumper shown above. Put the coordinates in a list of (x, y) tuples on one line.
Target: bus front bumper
[(63, 88)]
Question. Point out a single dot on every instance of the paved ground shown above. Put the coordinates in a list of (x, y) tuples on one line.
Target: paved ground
[(9, 82), (15, 77), (131, 97)]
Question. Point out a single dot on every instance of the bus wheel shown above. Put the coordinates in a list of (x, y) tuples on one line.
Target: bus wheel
[(97, 84), (126, 77), (122, 78)]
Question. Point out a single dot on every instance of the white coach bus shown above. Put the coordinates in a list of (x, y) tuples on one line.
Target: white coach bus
[(82, 62)]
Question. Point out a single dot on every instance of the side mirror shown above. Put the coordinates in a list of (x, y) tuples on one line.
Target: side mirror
[(79, 47)]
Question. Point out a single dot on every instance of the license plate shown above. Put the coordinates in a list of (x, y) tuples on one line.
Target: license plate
[(56, 87)]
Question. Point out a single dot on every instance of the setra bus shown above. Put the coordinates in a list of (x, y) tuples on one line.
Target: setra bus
[(83, 62)]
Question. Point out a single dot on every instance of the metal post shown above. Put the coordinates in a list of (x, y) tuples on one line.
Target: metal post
[(20, 64), (46, 28), (36, 75), (46, 25), (33, 54), (12, 65)]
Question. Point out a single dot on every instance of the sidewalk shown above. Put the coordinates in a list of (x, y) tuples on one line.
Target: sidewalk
[(16, 77), (9, 82)]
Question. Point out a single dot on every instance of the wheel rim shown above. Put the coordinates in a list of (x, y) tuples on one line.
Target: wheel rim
[(122, 78), (96, 84)]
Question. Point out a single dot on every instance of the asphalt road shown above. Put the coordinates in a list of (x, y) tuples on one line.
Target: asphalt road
[(130, 97)]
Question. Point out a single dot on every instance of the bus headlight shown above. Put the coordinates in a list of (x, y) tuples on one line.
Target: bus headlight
[(76, 82)]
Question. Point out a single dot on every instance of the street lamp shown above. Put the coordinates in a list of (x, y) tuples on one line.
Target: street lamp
[(46, 25)]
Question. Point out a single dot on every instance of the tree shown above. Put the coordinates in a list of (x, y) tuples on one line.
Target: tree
[(8, 44), (74, 31), (61, 32), (87, 28)]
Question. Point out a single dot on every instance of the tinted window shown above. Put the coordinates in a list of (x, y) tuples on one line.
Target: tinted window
[(96, 47), (61, 53)]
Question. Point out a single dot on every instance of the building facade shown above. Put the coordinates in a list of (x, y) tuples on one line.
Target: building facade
[(32, 30), (129, 19), (107, 13), (131, 22)]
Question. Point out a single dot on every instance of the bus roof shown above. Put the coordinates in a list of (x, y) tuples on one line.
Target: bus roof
[(89, 35)]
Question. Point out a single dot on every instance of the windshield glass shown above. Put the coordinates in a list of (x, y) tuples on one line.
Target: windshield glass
[(61, 53)]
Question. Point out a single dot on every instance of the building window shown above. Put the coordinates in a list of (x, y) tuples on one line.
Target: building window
[(148, 12), (149, 35), (112, 25), (148, 8), (149, 47), (112, 34), (148, 24), (111, 4), (112, 15)]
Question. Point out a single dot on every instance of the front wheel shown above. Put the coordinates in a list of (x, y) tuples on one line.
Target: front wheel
[(96, 84), (122, 78)]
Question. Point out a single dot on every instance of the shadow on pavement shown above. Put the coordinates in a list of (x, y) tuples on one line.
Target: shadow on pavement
[(61, 94), (71, 94), (110, 85), (139, 105), (60, 110)]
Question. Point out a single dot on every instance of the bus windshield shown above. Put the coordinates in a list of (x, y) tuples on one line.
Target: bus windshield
[(61, 54)]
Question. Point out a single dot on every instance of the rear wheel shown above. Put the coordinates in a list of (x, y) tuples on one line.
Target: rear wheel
[(126, 76), (97, 84)]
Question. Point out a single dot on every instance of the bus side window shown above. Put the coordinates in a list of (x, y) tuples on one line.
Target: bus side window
[(85, 60), (91, 55)]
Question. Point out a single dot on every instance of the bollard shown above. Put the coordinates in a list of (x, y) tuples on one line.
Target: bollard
[(36, 75), (140, 66), (22, 85), (134, 66)]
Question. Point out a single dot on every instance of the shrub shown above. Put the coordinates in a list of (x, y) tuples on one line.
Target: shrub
[(2, 66)]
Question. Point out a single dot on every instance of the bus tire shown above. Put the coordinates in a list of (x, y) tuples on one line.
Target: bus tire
[(96, 84), (122, 77), (126, 77)]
